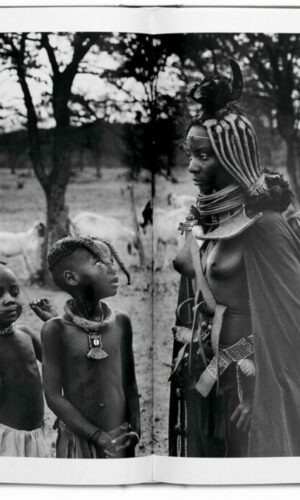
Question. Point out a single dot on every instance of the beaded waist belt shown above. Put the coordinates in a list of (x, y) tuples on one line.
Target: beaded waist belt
[(242, 349)]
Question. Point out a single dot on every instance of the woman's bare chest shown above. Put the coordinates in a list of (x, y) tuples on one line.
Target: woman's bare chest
[(222, 259), (223, 265)]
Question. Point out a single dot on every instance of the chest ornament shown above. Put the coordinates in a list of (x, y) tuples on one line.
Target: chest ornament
[(223, 214), (8, 331), (92, 328)]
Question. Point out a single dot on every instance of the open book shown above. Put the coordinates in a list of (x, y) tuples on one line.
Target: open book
[(110, 136)]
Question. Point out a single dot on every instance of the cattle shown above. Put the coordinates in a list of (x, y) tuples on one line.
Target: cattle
[(181, 200), (27, 244), (165, 232), (104, 227)]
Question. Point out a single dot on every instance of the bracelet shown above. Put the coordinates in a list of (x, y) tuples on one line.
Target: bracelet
[(93, 437)]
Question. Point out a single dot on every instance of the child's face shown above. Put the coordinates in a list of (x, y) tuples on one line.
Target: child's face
[(10, 305), (97, 277)]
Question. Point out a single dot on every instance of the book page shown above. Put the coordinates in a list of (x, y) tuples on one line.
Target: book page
[(75, 262), (228, 415)]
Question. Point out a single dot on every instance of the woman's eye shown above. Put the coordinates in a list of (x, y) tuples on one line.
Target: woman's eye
[(203, 157), (187, 153), (15, 292)]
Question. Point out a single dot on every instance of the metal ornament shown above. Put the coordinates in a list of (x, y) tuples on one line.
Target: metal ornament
[(93, 329), (95, 344)]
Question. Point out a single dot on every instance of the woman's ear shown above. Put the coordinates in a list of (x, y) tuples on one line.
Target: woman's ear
[(71, 277)]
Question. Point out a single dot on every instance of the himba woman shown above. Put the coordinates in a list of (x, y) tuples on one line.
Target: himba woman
[(238, 371)]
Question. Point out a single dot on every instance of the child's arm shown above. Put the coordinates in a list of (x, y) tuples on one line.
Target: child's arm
[(36, 341), (43, 309), (53, 383), (130, 388)]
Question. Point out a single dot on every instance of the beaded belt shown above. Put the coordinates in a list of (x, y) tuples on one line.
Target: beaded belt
[(242, 349)]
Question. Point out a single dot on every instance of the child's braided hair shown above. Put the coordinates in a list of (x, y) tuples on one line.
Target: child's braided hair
[(66, 246)]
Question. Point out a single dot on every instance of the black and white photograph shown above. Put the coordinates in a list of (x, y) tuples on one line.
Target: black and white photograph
[(235, 374), (75, 181), (149, 245)]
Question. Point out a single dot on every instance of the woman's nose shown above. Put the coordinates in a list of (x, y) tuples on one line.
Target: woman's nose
[(194, 166)]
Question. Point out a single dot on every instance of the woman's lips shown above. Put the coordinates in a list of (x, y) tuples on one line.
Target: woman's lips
[(198, 182)]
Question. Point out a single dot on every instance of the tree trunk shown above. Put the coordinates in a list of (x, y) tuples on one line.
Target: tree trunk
[(57, 223), (137, 229), (292, 167)]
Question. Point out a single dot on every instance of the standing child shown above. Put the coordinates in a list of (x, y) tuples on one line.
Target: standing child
[(21, 394), (88, 365)]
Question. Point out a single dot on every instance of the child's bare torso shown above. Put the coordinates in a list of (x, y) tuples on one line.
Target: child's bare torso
[(21, 395), (94, 387)]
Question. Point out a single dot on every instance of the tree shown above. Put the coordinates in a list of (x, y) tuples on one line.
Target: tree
[(149, 96), (19, 55), (271, 68)]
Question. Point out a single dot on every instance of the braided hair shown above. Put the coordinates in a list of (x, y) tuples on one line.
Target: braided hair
[(234, 142), (66, 246)]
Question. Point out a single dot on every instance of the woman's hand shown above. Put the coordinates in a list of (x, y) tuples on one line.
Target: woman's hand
[(241, 416), (43, 309), (182, 334)]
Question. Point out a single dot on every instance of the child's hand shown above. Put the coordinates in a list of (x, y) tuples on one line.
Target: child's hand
[(43, 309), (121, 444)]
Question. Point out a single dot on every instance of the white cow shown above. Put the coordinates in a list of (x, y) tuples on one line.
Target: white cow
[(104, 227), (166, 233), (181, 200), (27, 244)]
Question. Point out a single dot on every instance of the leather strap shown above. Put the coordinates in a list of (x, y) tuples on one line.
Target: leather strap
[(202, 287), (218, 310)]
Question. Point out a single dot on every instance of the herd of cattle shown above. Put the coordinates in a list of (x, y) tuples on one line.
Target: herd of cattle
[(28, 244), (164, 233)]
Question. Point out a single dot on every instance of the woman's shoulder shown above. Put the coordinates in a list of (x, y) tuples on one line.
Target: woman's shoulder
[(272, 233), (270, 220)]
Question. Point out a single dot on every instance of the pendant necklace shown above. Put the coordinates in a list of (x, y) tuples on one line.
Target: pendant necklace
[(92, 328)]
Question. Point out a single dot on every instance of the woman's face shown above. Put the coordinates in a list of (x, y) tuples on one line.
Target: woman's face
[(207, 173)]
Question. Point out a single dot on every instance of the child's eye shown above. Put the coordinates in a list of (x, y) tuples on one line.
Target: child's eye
[(203, 156)]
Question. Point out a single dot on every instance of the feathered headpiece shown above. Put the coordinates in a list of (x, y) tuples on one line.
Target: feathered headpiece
[(215, 93)]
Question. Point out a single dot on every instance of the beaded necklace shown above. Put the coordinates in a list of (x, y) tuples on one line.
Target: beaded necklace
[(91, 328), (8, 331), (221, 205)]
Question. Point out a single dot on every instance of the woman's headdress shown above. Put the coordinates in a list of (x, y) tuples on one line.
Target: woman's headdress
[(230, 133)]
